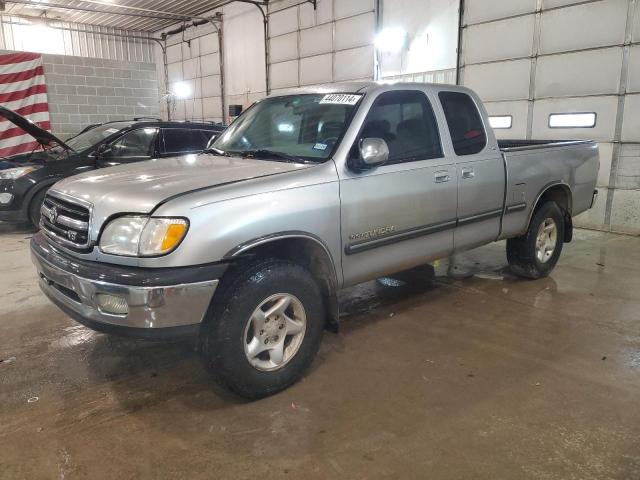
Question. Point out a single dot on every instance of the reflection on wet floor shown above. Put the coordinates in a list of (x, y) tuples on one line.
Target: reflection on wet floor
[(457, 371)]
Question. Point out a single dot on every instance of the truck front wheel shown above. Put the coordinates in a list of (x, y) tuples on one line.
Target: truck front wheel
[(534, 254), (264, 327)]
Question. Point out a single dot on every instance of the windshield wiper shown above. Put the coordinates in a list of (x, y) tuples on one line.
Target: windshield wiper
[(271, 154), (217, 151)]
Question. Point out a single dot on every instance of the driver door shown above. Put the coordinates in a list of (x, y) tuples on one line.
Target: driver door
[(134, 146), (403, 213)]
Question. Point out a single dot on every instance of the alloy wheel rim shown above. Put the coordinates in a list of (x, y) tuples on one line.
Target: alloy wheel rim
[(274, 332), (546, 240)]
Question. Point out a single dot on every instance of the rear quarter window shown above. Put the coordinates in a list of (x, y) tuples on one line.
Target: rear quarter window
[(464, 122)]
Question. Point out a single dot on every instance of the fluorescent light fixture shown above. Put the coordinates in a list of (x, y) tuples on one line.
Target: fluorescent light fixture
[(499, 122), (572, 120), (181, 89), (391, 40)]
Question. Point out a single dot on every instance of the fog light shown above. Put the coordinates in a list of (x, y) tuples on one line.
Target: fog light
[(5, 198), (112, 304)]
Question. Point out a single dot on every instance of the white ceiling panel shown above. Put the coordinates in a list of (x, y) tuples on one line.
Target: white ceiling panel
[(604, 107), (501, 80), (283, 22), (355, 31), (634, 69), (211, 107), (593, 72), (174, 72), (284, 47), (348, 8), (485, 10), (353, 64), (110, 13), (314, 41), (211, 86), (598, 24), (210, 64), (635, 28), (174, 53), (503, 40), (316, 69), (631, 123), (284, 74)]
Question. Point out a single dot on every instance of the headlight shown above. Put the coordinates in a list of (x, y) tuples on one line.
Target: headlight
[(142, 236), (13, 173)]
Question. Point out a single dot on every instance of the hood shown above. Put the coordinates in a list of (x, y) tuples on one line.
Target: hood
[(44, 138), (139, 187)]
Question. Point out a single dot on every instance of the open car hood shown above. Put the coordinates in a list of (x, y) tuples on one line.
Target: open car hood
[(44, 138)]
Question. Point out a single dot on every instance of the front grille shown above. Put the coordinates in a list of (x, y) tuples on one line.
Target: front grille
[(65, 221)]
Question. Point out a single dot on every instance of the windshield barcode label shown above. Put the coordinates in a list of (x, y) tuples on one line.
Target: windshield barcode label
[(341, 99)]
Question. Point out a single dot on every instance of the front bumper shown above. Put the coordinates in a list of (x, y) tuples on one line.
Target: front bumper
[(163, 302)]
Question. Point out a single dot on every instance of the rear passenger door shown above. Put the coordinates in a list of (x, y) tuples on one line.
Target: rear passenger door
[(181, 141), (480, 172), (400, 214)]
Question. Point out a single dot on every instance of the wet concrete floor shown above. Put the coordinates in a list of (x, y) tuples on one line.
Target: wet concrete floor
[(474, 375)]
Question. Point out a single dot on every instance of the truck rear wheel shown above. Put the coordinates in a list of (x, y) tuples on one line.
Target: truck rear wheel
[(264, 327), (535, 254)]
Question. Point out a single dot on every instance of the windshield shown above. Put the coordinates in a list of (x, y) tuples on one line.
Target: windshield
[(91, 137), (303, 126)]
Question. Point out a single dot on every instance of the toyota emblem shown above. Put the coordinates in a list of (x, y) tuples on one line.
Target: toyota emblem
[(53, 214)]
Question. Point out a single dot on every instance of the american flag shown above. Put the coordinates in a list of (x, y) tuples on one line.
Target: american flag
[(23, 90)]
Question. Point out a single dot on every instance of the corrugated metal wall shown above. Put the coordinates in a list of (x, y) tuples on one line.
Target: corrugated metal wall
[(529, 59), (80, 40)]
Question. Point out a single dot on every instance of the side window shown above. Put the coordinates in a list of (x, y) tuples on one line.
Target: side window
[(183, 140), (405, 120), (465, 123), (137, 143)]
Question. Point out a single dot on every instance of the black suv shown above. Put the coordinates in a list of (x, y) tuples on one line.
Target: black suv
[(24, 178)]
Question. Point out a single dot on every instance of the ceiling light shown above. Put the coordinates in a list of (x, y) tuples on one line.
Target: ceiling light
[(181, 89)]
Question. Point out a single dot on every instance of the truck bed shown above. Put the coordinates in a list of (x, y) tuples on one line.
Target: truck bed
[(513, 145)]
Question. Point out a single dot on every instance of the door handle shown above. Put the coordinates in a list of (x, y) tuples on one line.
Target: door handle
[(441, 177), (468, 173)]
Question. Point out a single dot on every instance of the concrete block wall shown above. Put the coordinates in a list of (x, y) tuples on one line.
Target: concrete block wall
[(94, 90)]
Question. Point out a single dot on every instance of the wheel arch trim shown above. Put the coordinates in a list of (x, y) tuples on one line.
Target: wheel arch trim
[(565, 186)]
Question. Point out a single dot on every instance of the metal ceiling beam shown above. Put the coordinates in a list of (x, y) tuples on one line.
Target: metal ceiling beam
[(44, 6)]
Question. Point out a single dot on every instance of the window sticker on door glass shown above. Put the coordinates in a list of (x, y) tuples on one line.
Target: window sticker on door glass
[(320, 146), (340, 99)]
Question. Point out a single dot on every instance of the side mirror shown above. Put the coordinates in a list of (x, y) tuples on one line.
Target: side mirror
[(372, 152)]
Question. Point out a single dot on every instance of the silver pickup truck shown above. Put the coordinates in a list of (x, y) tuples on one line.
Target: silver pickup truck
[(304, 194)]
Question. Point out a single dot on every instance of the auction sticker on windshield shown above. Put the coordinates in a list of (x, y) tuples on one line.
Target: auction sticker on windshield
[(341, 99)]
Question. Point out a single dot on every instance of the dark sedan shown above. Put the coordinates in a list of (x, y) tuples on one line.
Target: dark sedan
[(25, 178)]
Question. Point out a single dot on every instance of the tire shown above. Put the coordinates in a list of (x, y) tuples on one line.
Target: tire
[(34, 208), (532, 255), (230, 330)]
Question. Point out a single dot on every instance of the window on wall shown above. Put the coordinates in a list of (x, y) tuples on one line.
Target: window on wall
[(465, 123), (501, 122), (572, 120), (405, 120)]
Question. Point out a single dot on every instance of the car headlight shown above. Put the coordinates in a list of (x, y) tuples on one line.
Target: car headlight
[(13, 173), (136, 236)]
